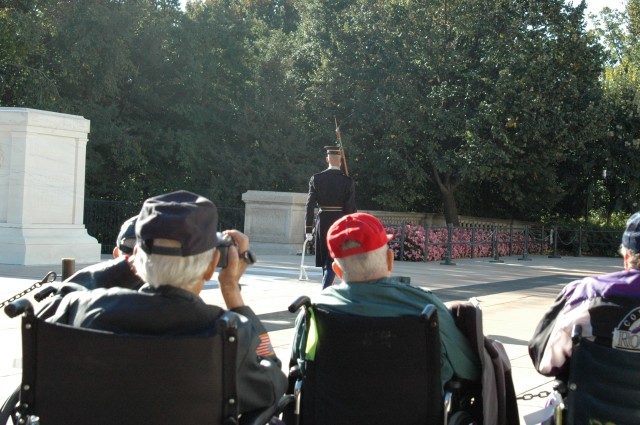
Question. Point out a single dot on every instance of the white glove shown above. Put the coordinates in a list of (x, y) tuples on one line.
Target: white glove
[(309, 236)]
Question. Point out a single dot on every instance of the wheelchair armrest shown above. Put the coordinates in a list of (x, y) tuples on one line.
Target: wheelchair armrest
[(299, 302), (576, 333), (453, 385), (60, 289), (285, 401), (560, 387), (262, 417), (45, 293), (295, 372)]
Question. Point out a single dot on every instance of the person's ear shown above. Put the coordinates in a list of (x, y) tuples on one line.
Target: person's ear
[(627, 267), (390, 260), (336, 268), (116, 252)]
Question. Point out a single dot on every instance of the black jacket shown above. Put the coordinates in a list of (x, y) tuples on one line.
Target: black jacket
[(107, 274), (173, 311), (335, 196)]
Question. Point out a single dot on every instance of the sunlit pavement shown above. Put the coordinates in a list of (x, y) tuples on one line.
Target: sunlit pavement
[(513, 295)]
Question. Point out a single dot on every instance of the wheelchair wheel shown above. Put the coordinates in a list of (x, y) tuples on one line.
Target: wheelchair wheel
[(461, 418), (8, 408)]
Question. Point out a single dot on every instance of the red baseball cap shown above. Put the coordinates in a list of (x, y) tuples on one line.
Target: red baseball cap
[(359, 227)]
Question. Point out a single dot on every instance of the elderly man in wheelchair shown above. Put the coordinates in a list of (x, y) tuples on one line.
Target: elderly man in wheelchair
[(158, 355), (376, 350), (589, 340)]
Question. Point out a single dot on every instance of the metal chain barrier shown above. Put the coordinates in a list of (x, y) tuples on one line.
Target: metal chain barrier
[(573, 239), (49, 277), (488, 239), (543, 239), (482, 242), (529, 396)]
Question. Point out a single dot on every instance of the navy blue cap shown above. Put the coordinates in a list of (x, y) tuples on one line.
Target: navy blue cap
[(182, 216), (127, 236), (631, 236)]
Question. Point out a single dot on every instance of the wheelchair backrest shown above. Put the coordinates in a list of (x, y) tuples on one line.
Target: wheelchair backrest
[(373, 370), (76, 376), (604, 385), (498, 392)]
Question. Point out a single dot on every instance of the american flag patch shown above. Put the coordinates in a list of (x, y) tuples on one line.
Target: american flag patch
[(265, 349)]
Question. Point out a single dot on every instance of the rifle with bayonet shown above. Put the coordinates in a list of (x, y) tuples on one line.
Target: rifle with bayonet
[(344, 158)]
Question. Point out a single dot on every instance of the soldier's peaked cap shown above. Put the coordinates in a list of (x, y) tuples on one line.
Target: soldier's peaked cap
[(332, 150)]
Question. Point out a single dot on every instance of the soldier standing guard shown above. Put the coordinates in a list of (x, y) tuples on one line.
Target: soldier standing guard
[(334, 194)]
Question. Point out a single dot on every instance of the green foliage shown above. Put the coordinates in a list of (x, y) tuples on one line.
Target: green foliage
[(194, 101), (509, 115), (457, 99), (613, 188)]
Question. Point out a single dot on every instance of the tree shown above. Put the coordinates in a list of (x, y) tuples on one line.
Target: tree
[(22, 35), (619, 188), (459, 99)]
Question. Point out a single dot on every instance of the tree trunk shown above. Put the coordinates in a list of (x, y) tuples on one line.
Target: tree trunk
[(450, 208), (447, 188)]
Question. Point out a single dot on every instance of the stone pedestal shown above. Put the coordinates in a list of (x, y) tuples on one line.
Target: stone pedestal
[(42, 173), (274, 221)]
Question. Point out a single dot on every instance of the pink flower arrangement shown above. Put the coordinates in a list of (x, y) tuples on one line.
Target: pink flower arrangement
[(465, 243)]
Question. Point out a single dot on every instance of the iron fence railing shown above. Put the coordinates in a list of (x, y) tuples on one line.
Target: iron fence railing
[(416, 243), (412, 242), (580, 240), (104, 218)]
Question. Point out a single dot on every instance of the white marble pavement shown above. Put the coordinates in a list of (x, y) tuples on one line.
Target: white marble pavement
[(513, 296)]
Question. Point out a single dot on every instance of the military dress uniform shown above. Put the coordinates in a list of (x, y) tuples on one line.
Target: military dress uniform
[(334, 195)]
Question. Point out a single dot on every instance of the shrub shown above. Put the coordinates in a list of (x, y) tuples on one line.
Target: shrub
[(411, 242)]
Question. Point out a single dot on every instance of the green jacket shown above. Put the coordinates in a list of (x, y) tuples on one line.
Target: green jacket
[(390, 298)]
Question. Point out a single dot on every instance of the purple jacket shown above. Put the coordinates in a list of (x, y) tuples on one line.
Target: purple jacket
[(608, 309)]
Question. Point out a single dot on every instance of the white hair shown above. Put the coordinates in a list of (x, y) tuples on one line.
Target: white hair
[(634, 258), (366, 266), (181, 272)]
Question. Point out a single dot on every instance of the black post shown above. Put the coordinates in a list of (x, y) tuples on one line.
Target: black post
[(555, 242), (426, 244), (496, 254), (402, 235), (580, 240), (525, 252), (447, 258), (473, 240), (68, 268), (510, 240)]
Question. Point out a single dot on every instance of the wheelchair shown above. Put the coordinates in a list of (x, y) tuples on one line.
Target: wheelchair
[(602, 388), (75, 376), (374, 370), (497, 394)]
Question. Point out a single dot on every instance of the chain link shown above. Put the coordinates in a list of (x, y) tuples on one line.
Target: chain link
[(49, 277), (529, 396), (573, 239)]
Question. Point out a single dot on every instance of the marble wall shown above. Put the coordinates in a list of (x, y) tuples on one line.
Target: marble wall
[(42, 176), (274, 221)]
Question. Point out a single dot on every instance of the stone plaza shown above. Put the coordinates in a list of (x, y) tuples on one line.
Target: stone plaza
[(42, 165), (513, 296)]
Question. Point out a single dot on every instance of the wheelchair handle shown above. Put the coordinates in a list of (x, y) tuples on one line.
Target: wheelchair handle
[(18, 307), (299, 302), (428, 311)]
